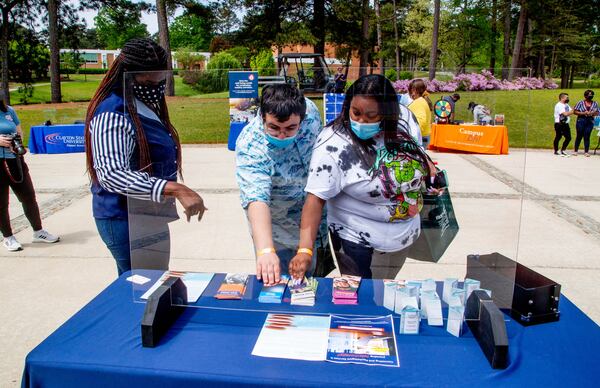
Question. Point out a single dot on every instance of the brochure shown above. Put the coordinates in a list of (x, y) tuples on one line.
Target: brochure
[(233, 286), (195, 282), (297, 337), (303, 292), (369, 341), (273, 294), (389, 292), (346, 287)]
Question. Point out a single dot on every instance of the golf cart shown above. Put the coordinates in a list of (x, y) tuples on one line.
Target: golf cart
[(308, 71)]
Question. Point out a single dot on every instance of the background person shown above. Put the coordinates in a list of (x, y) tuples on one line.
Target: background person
[(562, 113), (421, 107), (452, 100), (340, 80), (481, 114), (133, 150), (369, 173), (272, 158), (14, 173), (585, 110)]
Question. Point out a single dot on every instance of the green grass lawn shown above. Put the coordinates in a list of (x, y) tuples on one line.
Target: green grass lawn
[(205, 118)]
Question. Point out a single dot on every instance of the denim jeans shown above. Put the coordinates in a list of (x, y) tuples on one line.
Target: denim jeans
[(584, 128), (115, 234)]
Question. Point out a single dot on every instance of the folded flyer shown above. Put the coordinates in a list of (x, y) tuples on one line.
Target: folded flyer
[(233, 286), (369, 341), (273, 294)]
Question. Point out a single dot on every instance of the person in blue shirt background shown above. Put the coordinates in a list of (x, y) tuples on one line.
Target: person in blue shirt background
[(14, 173), (272, 157), (134, 157)]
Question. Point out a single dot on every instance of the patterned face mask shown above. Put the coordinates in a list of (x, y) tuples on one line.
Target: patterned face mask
[(151, 95)]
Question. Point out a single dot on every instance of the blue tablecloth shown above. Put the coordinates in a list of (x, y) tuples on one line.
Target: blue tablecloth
[(100, 346), (56, 139)]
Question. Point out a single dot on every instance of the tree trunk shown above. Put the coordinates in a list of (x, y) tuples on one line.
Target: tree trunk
[(527, 54), (564, 76), (319, 25), (4, 48), (541, 61), (55, 94), (379, 42), (397, 46), (571, 76), (163, 39), (552, 60), (518, 41), (434, 43), (506, 37), (494, 36), (364, 48)]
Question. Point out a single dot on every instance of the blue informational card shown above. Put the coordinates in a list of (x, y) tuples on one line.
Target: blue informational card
[(273, 294)]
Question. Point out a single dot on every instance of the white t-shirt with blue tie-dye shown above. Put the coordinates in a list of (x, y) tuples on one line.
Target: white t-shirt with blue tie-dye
[(277, 176)]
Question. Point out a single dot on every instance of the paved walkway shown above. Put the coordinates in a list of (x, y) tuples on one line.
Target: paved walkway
[(534, 206)]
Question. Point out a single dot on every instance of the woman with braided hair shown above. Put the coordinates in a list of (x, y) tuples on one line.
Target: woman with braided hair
[(369, 170), (134, 155)]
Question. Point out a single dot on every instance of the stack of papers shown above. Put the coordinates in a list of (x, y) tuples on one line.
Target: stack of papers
[(233, 286), (273, 294), (195, 282), (297, 337), (345, 289), (303, 293), (389, 292), (431, 308)]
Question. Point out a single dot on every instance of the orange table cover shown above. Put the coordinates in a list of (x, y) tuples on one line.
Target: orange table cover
[(481, 139)]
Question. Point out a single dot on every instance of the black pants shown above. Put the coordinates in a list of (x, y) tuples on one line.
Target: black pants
[(353, 259), (19, 181), (562, 130), (584, 128)]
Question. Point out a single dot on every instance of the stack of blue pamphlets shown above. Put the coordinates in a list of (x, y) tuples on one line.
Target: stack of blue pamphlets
[(273, 294)]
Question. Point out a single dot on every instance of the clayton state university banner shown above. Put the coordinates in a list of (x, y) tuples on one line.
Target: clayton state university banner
[(56, 139), (243, 102)]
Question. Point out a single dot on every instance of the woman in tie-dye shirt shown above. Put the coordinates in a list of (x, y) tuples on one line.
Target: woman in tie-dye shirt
[(272, 157)]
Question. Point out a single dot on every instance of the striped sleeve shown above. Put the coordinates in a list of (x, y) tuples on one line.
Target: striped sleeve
[(113, 143), (580, 107)]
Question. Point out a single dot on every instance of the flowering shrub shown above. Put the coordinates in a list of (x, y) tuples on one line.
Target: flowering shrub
[(479, 81)]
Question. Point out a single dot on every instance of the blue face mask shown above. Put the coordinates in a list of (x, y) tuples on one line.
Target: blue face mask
[(365, 131), (281, 143)]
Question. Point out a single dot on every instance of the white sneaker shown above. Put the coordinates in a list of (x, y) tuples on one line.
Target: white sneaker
[(564, 154), (12, 244), (45, 237)]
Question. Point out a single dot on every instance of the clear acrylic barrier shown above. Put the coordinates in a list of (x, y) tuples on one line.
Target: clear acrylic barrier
[(486, 193)]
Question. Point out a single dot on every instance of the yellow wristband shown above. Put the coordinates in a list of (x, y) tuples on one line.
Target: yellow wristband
[(305, 250), (261, 252)]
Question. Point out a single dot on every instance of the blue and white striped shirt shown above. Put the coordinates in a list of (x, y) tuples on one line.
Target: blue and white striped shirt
[(113, 144), (582, 108)]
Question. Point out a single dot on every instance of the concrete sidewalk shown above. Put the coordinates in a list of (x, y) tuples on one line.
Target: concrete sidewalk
[(551, 223)]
